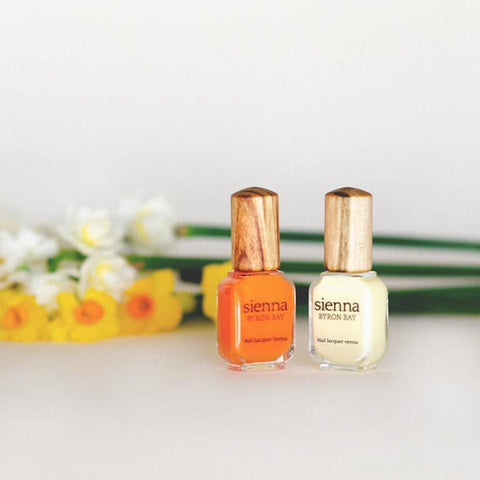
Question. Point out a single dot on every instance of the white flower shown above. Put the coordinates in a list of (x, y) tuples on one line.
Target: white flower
[(46, 286), (91, 230), (107, 272), (27, 245), (23, 250), (149, 225)]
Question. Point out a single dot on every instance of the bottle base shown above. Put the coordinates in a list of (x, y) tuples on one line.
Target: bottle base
[(258, 366), (351, 368)]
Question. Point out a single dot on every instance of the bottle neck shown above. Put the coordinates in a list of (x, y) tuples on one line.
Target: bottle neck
[(369, 274), (242, 273)]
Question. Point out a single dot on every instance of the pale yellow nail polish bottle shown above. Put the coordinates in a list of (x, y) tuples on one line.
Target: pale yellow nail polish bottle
[(348, 303)]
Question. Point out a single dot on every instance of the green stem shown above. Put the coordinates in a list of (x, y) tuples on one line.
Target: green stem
[(452, 300), (70, 255), (191, 264), (186, 230), (387, 269), (444, 300), (456, 300)]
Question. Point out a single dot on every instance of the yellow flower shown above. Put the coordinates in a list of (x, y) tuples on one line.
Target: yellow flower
[(211, 276), (187, 301), (95, 317), (21, 318), (150, 305)]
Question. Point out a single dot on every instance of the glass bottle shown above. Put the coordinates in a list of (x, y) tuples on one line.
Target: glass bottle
[(256, 302), (348, 303)]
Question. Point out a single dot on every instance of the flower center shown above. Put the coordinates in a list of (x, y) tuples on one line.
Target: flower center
[(140, 306), (15, 317), (88, 312)]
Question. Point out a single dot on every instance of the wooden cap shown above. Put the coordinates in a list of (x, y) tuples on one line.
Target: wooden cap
[(348, 230), (255, 235)]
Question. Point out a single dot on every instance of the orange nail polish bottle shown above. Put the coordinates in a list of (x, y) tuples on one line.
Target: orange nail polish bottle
[(256, 302)]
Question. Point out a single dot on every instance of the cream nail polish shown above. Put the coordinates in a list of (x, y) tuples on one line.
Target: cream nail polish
[(348, 303)]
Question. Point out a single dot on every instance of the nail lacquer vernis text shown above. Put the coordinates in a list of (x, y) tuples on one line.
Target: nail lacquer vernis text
[(256, 302), (348, 312)]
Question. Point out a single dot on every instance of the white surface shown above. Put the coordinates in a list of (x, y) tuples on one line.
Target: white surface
[(196, 99), (166, 407)]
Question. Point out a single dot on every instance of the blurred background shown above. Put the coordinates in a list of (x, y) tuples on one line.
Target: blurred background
[(196, 99)]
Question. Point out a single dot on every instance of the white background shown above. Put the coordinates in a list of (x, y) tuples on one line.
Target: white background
[(197, 99)]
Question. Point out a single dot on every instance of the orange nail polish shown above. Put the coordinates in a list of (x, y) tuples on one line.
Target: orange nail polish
[(256, 302)]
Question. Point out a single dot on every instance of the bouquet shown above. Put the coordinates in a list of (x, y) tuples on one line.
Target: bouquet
[(101, 274)]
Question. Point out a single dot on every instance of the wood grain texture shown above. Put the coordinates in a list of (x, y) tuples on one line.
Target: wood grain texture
[(255, 233), (348, 230)]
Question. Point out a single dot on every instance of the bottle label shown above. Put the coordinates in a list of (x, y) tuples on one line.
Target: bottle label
[(338, 328), (348, 321), (256, 316), (266, 320)]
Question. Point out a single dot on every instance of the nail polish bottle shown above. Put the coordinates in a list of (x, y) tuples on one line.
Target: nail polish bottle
[(256, 302), (348, 303)]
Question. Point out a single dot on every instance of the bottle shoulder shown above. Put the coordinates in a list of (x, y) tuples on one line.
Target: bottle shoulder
[(342, 280), (236, 279)]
